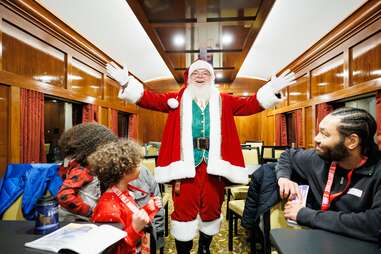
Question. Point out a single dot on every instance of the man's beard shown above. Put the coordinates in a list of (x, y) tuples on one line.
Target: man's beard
[(335, 153), (200, 92)]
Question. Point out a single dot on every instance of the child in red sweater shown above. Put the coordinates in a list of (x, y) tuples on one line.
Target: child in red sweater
[(116, 164)]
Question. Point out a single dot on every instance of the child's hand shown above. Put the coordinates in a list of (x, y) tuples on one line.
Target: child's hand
[(139, 220), (154, 203)]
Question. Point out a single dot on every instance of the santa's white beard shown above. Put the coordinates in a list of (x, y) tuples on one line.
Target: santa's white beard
[(201, 93)]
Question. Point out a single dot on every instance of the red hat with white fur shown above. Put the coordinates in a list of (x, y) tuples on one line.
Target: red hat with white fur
[(197, 65)]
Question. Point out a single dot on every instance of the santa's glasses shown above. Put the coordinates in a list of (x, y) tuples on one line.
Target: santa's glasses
[(200, 73)]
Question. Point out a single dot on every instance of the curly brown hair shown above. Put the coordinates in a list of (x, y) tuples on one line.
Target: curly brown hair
[(82, 140), (110, 162)]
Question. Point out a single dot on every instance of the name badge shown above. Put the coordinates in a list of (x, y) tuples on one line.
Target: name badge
[(355, 192)]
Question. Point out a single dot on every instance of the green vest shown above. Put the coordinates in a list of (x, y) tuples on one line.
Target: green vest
[(200, 129)]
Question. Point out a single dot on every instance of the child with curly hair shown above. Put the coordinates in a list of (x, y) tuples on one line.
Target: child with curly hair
[(80, 191), (116, 164)]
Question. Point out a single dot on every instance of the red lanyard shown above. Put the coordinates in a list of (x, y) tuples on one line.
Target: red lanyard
[(327, 196), (132, 206)]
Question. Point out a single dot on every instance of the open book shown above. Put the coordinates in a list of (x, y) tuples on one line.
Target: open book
[(80, 238), (303, 189)]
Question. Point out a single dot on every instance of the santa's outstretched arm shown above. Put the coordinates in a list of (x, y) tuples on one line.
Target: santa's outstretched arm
[(133, 90)]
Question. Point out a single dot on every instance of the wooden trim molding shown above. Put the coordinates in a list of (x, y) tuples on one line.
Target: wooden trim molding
[(12, 79), (14, 125)]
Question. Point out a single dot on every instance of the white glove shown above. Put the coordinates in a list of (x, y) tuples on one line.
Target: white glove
[(267, 94), (284, 80), (117, 73)]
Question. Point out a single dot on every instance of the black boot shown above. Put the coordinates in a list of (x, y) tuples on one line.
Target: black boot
[(204, 243), (183, 247)]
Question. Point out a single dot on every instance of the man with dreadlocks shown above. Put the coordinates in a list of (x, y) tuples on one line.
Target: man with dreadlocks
[(344, 175), (80, 191)]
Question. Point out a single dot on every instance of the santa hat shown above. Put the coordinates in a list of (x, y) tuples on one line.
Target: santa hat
[(201, 64), (198, 64)]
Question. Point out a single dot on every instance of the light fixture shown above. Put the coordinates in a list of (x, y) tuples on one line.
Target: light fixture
[(178, 40), (74, 77), (45, 78), (245, 94), (219, 75), (227, 39)]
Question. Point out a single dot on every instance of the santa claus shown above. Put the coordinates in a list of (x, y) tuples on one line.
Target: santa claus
[(200, 150)]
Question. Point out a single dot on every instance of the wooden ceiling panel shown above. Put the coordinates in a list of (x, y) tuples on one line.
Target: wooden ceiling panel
[(225, 29)]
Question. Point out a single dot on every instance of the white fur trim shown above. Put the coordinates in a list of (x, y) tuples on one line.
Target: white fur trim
[(217, 166), (184, 230), (201, 64), (173, 103), (267, 97), (133, 92), (186, 128), (175, 170), (211, 227), (234, 174)]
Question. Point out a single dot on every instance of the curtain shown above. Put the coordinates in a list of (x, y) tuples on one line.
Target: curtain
[(113, 121), (133, 127), (280, 130), (68, 115), (89, 113), (378, 118), (32, 140), (322, 110), (298, 127)]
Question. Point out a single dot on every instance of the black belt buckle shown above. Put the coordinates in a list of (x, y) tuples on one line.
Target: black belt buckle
[(201, 143)]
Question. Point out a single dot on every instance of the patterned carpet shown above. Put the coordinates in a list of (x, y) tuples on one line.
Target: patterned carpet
[(220, 241)]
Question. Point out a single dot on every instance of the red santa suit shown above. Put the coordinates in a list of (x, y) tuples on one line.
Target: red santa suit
[(176, 160)]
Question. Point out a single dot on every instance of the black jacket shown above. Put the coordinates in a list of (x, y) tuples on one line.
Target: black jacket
[(263, 193), (356, 213)]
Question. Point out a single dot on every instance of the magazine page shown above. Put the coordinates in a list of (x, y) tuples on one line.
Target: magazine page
[(98, 239), (81, 238), (303, 189)]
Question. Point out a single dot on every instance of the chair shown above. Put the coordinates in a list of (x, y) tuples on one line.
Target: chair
[(272, 153), (236, 212), (252, 158), (258, 144)]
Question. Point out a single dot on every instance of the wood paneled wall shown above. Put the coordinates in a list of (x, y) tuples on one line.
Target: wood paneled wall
[(151, 125), (345, 63), (4, 127), (41, 53)]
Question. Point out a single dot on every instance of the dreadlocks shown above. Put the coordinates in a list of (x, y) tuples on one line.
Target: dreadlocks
[(360, 122), (83, 139)]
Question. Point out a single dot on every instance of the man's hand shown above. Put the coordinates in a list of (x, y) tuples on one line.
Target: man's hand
[(117, 73), (278, 83), (292, 208), (288, 188), (139, 220)]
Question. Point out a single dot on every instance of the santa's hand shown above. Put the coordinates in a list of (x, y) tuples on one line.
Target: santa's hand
[(284, 80), (268, 95), (117, 73)]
